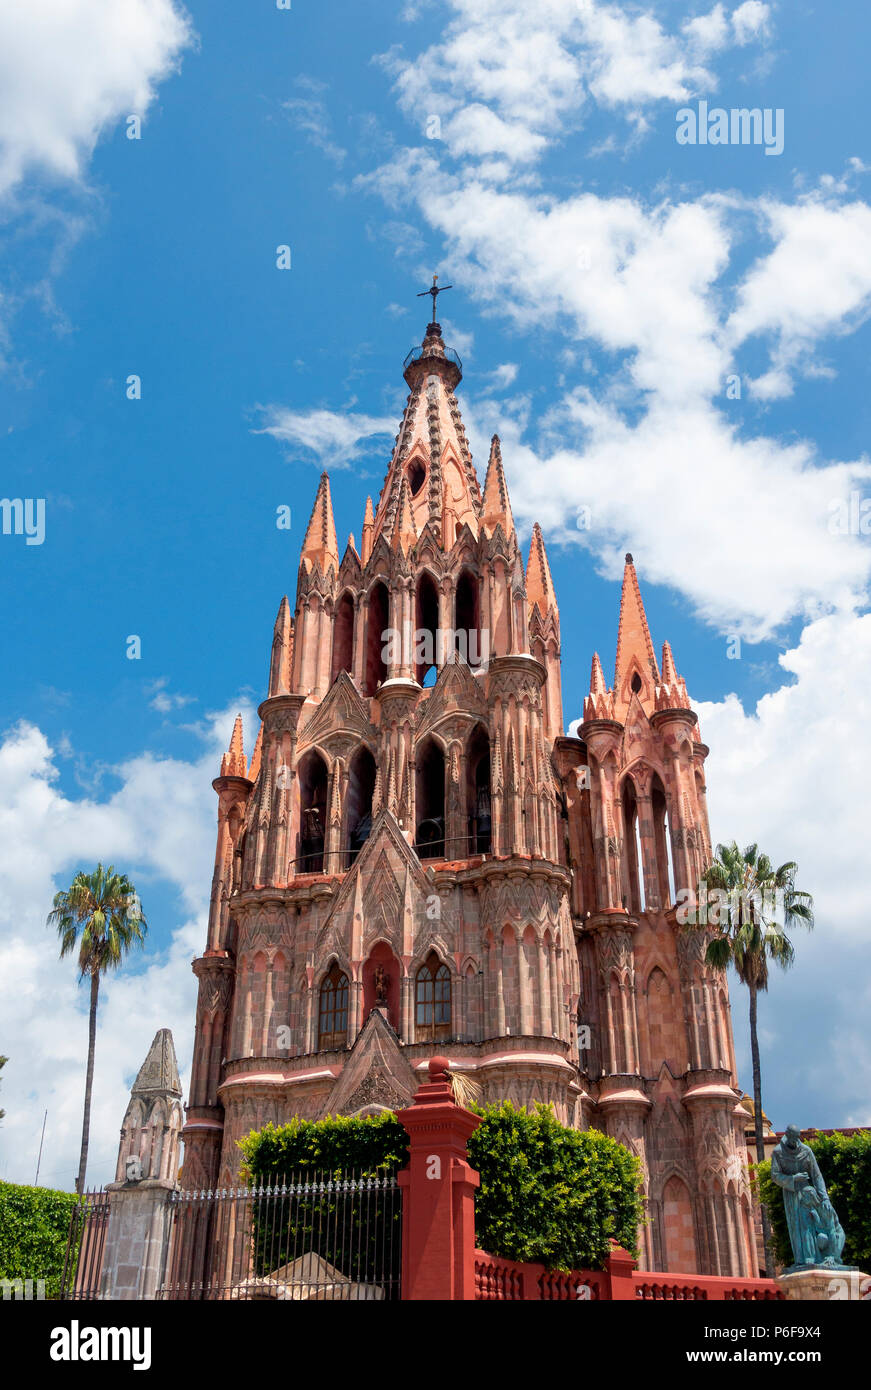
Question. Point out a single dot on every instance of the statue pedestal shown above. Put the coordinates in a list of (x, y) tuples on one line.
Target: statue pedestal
[(821, 1285)]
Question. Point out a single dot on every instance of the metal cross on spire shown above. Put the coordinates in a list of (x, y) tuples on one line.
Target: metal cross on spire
[(435, 290)]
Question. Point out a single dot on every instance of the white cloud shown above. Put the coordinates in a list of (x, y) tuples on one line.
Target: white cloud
[(159, 827), (802, 751), (71, 69), (309, 114), (335, 437), (732, 536), (648, 285), (504, 376), (815, 282), (506, 78), (164, 700), (476, 130), (708, 32), (751, 21), (791, 774)]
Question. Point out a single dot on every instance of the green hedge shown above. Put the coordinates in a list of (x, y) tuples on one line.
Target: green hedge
[(845, 1163), (338, 1144), (552, 1194), (547, 1194), (34, 1226)]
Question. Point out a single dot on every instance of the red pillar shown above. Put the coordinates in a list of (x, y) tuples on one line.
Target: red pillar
[(620, 1267), (438, 1194)]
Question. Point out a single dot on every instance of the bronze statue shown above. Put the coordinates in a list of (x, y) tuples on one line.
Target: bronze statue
[(815, 1232), (381, 980)]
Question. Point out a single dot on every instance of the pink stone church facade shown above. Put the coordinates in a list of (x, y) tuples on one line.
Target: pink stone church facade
[(417, 859)]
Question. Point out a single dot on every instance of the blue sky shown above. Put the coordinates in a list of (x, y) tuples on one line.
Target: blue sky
[(607, 283)]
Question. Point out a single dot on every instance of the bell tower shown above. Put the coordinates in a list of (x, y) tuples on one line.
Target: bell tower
[(417, 854)]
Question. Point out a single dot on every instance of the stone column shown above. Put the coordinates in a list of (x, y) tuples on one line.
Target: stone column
[(544, 991), (137, 1239), (438, 1187)]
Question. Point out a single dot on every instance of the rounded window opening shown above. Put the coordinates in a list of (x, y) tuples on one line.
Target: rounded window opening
[(312, 813), (426, 629), (333, 1010), (416, 476), (467, 635), (361, 786), (636, 683), (376, 637), (343, 637), (432, 1000), (478, 792), (430, 802)]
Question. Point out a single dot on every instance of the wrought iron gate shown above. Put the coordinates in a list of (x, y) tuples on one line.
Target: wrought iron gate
[(83, 1261), (304, 1237)]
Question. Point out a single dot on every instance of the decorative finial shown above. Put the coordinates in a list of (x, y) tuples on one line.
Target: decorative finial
[(435, 290), (629, 559)]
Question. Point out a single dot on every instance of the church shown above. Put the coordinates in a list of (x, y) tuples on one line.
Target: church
[(416, 858)]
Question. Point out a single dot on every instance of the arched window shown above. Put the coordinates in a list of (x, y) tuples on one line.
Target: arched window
[(478, 792), (379, 622), (361, 785), (426, 625), (416, 475), (432, 1000), (343, 637), (632, 848), (333, 1012), (467, 635), (312, 813), (661, 839), (430, 801)]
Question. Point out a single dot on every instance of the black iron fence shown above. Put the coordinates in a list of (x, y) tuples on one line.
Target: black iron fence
[(316, 1237)]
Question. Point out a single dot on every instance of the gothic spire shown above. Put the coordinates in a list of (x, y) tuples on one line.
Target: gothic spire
[(368, 527), (496, 509), (233, 763), (597, 677), (282, 651), (634, 645), (320, 544), (599, 704), (497, 766), (672, 693), (404, 533), (669, 670), (254, 769), (539, 585), (431, 451)]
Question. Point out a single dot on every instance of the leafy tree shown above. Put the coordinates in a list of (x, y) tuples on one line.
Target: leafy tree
[(755, 905), (100, 918)]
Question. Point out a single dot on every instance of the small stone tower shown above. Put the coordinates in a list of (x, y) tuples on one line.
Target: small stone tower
[(153, 1120)]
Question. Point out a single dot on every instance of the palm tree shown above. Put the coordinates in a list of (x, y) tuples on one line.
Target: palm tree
[(757, 905), (100, 917)]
